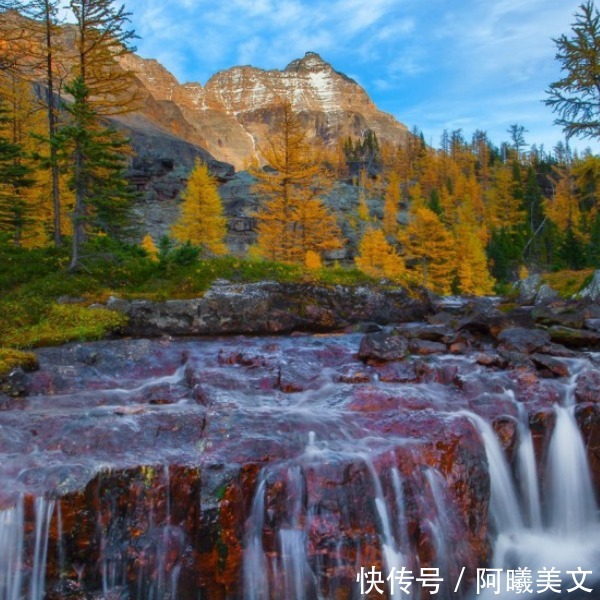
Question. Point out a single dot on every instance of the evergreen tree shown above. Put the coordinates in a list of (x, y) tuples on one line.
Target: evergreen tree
[(101, 87), (593, 249), (202, 222), (571, 250), (98, 155), (533, 203), (15, 176)]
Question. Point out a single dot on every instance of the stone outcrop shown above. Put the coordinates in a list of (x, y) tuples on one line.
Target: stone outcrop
[(592, 290), (269, 307)]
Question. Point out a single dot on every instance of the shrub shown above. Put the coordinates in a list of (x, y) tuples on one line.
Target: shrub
[(65, 323), (10, 358)]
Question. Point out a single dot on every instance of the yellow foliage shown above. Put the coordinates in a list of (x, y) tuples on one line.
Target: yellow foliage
[(390, 205), (523, 272), (363, 207), (503, 209), (377, 258), (150, 247), (312, 260), (292, 219), (202, 222), (472, 264), (563, 207), (430, 245)]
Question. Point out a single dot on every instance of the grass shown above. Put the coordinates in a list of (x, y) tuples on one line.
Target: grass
[(567, 283), (32, 281), (10, 358)]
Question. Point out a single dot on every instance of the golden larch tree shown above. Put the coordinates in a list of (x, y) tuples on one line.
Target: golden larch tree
[(472, 264), (150, 247), (292, 219), (202, 222), (431, 247), (377, 258), (563, 207), (390, 205), (503, 207)]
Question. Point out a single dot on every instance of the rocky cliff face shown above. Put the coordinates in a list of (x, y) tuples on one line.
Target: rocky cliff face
[(230, 117)]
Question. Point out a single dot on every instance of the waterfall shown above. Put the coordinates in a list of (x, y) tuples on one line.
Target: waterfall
[(504, 505), (566, 535), (527, 472), (17, 581), (256, 580), (362, 472)]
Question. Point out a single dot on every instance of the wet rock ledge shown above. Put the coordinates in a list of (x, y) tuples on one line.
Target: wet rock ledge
[(269, 307)]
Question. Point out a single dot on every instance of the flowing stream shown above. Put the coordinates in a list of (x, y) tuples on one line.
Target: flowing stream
[(271, 468)]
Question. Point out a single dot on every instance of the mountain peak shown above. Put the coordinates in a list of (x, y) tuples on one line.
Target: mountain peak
[(311, 61)]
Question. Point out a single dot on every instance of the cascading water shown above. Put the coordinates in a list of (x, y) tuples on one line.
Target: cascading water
[(20, 575), (504, 507), (323, 466), (527, 472), (566, 537)]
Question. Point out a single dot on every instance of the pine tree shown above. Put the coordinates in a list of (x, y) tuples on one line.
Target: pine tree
[(593, 248), (15, 177), (571, 250), (98, 155), (533, 202), (202, 222)]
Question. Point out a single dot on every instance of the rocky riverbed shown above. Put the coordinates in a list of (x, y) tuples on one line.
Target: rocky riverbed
[(278, 466)]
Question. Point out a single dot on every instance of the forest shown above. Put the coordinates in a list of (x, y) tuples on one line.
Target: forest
[(468, 217)]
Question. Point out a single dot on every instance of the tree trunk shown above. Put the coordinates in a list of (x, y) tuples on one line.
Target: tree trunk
[(79, 211), (52, 125)]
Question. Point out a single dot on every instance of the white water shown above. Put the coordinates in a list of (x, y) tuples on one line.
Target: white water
[(567, 534), (256, 581), (527, 473), (504, 505), (16, 580)]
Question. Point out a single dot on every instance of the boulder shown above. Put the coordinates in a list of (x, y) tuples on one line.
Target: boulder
[(528, 288), (566, 314), (426, 347), (592, 290), (269, 307), (574, 338), (383, 346), (519, 339), (588, 387), (551, 365), (545, 294)]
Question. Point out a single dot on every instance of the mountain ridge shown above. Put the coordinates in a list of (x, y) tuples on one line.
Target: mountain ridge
[(231, 115)]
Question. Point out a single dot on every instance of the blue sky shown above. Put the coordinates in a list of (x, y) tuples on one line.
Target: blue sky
[(436, 64)]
